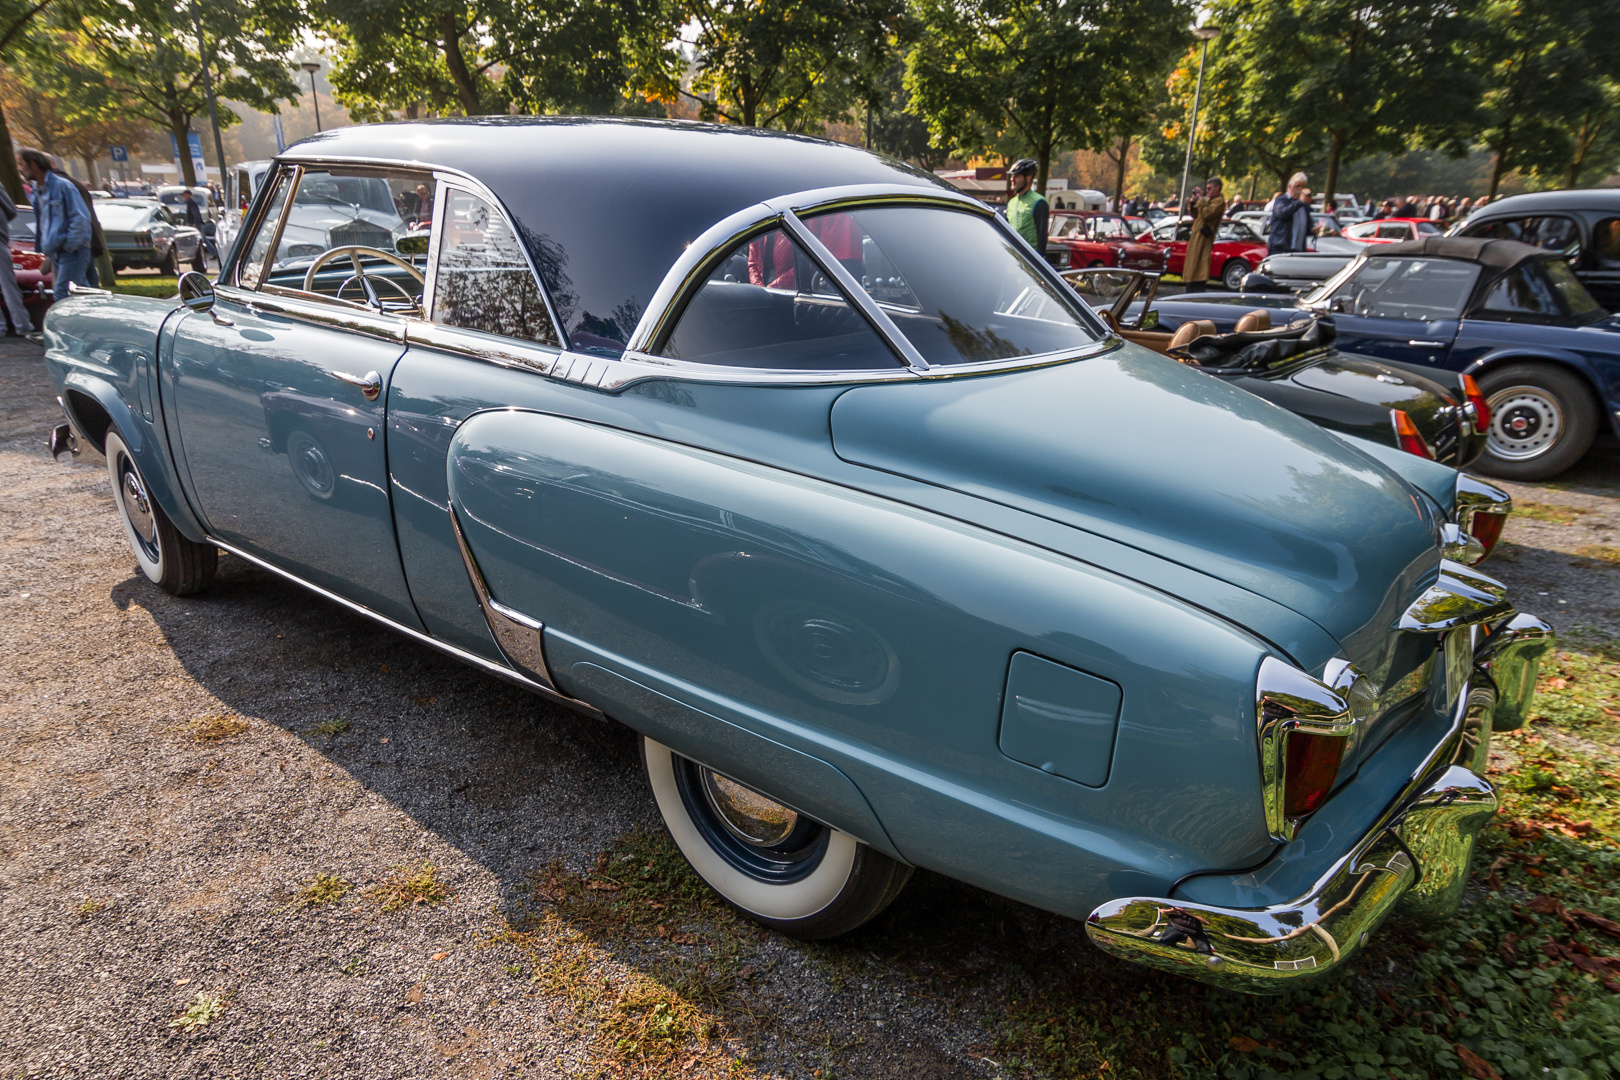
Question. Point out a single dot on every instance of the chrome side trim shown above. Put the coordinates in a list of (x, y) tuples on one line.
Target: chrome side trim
[(1288, 700), (508, 352), (518, 636), (1511, 656), (1460, 597), (359, 320), (543, 689)]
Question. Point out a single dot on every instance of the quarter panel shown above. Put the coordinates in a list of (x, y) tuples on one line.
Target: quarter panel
[(875, 637)]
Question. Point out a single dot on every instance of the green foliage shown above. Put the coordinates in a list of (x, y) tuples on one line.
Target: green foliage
[(200, 1013), (1003, 77), (788, 63)]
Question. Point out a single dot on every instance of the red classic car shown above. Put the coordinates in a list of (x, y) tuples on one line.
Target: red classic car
[(25, 264), (1099, 239), (1391, 230), (1238, 249)]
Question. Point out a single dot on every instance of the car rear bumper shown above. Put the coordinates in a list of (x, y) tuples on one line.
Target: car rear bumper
[(1418, 850)]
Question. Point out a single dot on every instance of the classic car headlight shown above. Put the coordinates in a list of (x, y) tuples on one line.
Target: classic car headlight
[(1482, 510), (1306, 728), (304, 251)]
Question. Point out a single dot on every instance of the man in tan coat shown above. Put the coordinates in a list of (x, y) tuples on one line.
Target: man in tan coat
[(1207, 213)]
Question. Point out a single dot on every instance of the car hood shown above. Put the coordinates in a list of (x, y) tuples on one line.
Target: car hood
[(1140, 449)]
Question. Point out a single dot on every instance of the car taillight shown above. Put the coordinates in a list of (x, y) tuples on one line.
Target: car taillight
[(1482, 408), (1313, 765), (1306, 727), (1482, 510), (143, 238), (1408, 436)]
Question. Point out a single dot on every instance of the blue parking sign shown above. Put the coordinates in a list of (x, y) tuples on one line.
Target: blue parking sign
[(120, 153)]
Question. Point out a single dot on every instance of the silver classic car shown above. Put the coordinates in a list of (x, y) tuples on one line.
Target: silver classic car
[(809, 470)]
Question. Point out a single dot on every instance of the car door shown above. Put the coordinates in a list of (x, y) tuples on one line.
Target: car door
[(1404, 309), (279, 391)]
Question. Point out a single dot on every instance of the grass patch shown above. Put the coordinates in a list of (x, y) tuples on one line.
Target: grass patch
[(323, 889), (330, 728), (1600, 553), (216, 727), (1555, 513), (409, 886), (90, 907), (200, 1013), (163, 288)]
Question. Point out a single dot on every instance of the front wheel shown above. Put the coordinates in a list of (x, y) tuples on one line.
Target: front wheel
[(169, 267), (1543, 419), (1233, 273), (174, 564), (768, 861)]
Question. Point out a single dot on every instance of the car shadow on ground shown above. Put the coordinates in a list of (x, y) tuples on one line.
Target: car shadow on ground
[(544, 798)]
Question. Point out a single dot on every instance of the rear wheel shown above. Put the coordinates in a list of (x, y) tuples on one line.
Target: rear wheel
[(768, 861), (168, 267), (1543, 419), (1233, 273), (173, 563)]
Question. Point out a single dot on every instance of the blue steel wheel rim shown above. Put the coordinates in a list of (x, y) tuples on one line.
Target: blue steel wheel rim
[(776, 860)]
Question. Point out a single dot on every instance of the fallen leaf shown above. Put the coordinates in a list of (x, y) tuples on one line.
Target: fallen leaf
[(425, 701), (1507, 948), (602, 886), (1243, 1044), (1557, 684), (414, 995), (181, 982), (1597, 922), (1477, 1066), (441, 955), (382, 740), (384, 668), (686, 939)]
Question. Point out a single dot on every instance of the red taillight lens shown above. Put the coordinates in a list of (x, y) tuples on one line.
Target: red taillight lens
[(1410, 438), (1487, 529), (1313, 765), (1482, 409)]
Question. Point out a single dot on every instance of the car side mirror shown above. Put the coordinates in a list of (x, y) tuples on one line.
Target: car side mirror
[(1339, 304), (413, 243), (196, 291)]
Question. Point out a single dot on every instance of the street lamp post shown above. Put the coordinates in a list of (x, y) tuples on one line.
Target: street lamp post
[(312, 67), (213, 108), (1206, 34)]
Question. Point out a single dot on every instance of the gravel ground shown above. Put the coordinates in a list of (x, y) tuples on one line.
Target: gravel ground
[(142, 867)]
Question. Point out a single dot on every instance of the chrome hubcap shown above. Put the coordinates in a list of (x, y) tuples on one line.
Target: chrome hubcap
[(748, 815), (137, 507), (1525, 422)]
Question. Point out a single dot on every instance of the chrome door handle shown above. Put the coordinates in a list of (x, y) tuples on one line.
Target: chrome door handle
[(1427, 344), (370, 383)]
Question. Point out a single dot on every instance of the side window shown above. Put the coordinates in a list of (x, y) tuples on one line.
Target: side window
[(1522, 296), (766, 305), (341, 238), (1606, 242), (1407, 289), (482, 281), (253, 265), (1547, 233)]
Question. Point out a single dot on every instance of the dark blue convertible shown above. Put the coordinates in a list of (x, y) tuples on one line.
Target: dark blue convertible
[(1514, 316)]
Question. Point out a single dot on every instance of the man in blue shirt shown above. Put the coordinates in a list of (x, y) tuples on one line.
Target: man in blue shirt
[(62, 222)]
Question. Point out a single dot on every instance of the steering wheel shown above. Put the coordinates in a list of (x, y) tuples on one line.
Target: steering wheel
[(354, 251)]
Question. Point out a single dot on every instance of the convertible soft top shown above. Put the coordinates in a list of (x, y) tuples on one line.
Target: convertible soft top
[(606, 206), (1496, 255)]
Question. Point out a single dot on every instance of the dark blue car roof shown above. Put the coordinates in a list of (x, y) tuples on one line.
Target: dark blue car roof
[(1571, 199), (606, 206)]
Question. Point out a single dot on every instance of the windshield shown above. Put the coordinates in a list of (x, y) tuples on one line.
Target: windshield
[(22, 226), (953, 283)]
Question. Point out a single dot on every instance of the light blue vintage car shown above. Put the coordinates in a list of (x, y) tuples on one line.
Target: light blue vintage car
[(804, 467)]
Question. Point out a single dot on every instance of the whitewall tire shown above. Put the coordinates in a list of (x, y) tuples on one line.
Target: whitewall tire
[(173, 563), (774, 865)]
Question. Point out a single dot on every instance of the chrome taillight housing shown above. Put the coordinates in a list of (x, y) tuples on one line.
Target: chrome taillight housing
[(1306, 729), (1481, 511)]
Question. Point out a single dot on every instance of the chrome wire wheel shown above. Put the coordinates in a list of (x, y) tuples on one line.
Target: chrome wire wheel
[(1526, 422)]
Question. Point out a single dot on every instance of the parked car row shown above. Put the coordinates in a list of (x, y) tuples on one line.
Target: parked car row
[(893, 551)]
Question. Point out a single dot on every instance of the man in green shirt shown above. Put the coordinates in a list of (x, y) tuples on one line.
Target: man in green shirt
[(1027, 211)]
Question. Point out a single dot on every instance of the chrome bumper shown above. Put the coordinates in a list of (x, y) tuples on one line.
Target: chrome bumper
[(1418, 851)]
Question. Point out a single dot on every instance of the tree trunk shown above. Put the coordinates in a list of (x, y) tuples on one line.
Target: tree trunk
[(180, 128), (1497, 170), (90, 171), (1043, 164), (9, 175), (1254, 180), (460, 74), (1119, 173), (1335, 149)]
